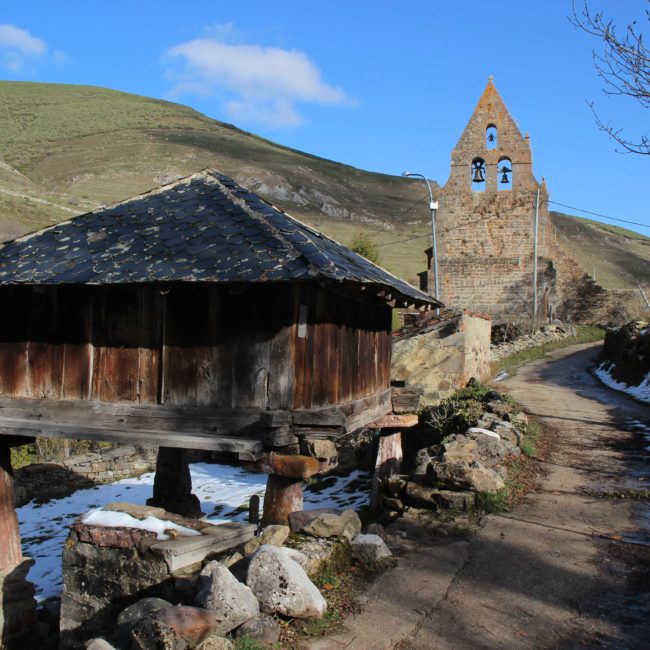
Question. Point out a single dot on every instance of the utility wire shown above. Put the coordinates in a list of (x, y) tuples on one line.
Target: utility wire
[(597, 214)]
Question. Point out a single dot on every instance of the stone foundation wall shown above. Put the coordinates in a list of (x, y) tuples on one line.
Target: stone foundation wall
[(444, 363), (42, 481)]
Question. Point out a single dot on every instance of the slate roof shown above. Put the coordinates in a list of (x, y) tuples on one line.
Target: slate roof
[(203, 228)]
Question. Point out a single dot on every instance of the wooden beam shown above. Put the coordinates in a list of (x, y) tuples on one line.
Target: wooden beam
[(246, 448), (10, 550)]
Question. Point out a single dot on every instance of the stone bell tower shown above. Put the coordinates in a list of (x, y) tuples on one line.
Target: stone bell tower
[(486, 221)]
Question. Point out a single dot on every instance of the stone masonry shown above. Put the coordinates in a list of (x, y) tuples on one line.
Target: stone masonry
[(486, 229)]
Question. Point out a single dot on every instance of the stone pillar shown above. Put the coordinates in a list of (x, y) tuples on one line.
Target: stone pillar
[(17, 605), (172, 486)]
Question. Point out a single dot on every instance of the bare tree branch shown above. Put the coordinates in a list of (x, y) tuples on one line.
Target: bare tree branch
[(624, 67)]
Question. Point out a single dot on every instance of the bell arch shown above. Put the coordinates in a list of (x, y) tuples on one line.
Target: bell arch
[(491, 137), (504, 173), (477, 175)]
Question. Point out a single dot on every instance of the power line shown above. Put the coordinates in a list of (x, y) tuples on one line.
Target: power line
[(402, 214), (597, 214)]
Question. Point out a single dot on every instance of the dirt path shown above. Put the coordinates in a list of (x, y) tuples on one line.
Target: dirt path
[(568, 568)]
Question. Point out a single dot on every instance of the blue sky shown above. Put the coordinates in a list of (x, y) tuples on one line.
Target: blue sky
[(383, 85)]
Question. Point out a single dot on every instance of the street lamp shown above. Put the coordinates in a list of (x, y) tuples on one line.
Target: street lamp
[(433, 206)]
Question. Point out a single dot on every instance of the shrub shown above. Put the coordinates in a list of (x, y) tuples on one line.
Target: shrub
[(365, 245)]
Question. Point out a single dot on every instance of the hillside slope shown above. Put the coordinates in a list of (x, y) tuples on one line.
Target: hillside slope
[(65, 150)]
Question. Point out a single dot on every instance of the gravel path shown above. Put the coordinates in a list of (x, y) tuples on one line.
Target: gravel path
[(568, 568)]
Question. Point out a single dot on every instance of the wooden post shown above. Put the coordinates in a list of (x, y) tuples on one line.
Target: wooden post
[(172, 485), (10, 550), (282, 497), (389, 453)]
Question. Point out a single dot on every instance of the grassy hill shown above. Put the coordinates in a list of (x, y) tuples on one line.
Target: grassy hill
[(65, 150)]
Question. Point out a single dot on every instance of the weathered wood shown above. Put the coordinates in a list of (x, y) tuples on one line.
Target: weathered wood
[(389, 462), (10, 550), (246, 448), (172, 486), (282, 497), (282, 351), (406, 399), (279, 437), (323, 433), (326, 417), (185, 551)]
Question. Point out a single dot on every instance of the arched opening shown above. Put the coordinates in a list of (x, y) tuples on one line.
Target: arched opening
[(491, 137), (478, 175), (504, 174)]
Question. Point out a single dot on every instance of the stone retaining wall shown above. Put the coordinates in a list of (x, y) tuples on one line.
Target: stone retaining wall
[(43, 481), (441, 362)]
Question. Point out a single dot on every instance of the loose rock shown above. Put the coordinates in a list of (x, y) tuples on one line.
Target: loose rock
[(150, 634), (346, 525), (143, 608), (191, 623), (462, 476), (282, 586), (263, 628), (231, 602), (215, 643), (275, 535), (99, 644), (299, 519), (369, 548)]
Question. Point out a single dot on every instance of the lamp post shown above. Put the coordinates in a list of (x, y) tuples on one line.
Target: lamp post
[(433, 206)]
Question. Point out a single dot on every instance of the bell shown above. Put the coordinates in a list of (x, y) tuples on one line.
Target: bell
[(491, 137), (478, 175), (505, 171)]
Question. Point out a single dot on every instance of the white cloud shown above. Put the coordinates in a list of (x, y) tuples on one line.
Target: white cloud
[(18, 48), (254, 83)]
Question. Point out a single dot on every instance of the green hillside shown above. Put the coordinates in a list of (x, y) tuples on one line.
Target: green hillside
[(65, 150)]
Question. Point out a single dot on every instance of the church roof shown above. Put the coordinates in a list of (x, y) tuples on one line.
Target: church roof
[(203, 228)]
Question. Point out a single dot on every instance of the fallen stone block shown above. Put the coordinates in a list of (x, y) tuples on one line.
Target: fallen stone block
[(460, 448), (282, 586)]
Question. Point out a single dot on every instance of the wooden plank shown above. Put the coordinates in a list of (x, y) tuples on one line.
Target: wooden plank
[(308, 367), (180, 439), (222, 369), (74, 331), (150, 342), (283, 348), (251, 350), (44, 356), (117, 322), (300, 352), (14, 326)]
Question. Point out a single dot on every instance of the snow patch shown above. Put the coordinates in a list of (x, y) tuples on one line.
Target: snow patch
[(111, 519), (640, 392)]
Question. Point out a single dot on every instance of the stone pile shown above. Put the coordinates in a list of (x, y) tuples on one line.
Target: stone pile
[(448, 475), (545, 334), (238, 592)]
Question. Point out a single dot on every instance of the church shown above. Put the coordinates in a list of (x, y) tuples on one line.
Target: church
[(497, 250)]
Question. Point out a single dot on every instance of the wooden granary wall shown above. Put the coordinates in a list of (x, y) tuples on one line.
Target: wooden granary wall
[(193, 344)]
